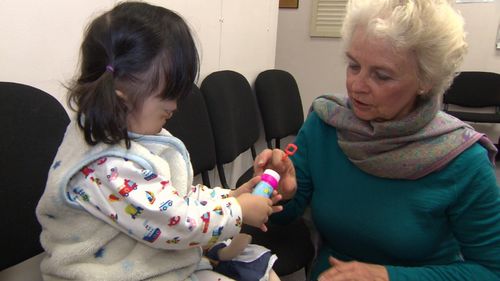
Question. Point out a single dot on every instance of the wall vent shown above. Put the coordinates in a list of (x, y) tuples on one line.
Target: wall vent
[(327, 17)]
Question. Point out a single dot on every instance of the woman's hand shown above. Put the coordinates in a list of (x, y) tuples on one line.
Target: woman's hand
[(353, 271), (276, 159)]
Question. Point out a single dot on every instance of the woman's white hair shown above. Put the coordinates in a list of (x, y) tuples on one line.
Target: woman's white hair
[(431, 29)]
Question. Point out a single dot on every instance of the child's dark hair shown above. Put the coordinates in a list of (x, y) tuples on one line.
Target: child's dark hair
[(138, 49)]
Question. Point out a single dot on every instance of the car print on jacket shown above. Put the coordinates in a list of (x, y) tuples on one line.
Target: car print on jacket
[(174, 220), (133, 211), (165, 205), (174, 240), (215, 235), (151, 197), (191, 223), (152, 232), (127, 187), (87, 171), (148, 175), (101, 160), (81, 193), (113, 175)]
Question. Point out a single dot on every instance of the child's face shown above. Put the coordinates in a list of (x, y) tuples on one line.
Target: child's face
[(150, 118)]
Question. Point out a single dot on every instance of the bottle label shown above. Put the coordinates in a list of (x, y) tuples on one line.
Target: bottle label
[(263, 189)]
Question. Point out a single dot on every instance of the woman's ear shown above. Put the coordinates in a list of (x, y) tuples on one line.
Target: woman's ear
[(424, 89)]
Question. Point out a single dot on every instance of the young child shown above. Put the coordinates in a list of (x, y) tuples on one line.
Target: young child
[(119, 203)]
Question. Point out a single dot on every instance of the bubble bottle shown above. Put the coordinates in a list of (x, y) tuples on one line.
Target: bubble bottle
[(268, 182)]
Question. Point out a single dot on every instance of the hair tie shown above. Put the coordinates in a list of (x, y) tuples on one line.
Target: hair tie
[(110, 68)]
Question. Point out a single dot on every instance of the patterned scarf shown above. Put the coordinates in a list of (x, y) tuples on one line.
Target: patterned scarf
[(410, 148)]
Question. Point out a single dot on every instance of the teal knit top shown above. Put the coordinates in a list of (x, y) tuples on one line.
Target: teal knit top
[(444, 226)]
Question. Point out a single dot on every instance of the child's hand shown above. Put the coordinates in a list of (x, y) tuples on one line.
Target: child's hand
[(246, 187), (256, 209), (276, 197), (235, 248)]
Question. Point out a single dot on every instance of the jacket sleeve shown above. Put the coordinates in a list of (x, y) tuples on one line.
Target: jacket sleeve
[(203, 193), (148, 207)]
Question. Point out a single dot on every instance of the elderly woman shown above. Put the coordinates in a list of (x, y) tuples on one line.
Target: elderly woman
[(398, 189)]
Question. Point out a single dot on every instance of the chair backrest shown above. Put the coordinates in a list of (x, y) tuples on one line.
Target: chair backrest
[(33, 124), (233, 114), (191, 124), (474, 89), (280, 104)]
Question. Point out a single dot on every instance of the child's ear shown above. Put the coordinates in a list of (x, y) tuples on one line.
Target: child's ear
[(121, 95), (123, 98)]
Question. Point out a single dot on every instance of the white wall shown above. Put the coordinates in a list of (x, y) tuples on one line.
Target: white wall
[(40, 39), (318, 63), (481, 23)]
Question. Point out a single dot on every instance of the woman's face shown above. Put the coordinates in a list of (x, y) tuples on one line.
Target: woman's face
[(150, 118), (381, 82)]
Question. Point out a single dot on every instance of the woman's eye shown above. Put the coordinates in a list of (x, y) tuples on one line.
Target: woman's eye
[(353, 66), (382, 76)]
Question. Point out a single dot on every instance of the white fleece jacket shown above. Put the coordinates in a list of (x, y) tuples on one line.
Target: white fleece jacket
[(74, 236)]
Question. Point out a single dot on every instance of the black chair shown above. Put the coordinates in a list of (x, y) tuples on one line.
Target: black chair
[(280, 105), (33, 124), (474, 89), (234, 117), (191, 124), (282, 115)]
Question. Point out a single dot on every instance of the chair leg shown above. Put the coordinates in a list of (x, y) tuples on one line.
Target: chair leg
[(270, 144), (205, 178), (222, 176)]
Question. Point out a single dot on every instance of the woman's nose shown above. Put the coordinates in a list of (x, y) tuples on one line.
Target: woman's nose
[(359, 82)]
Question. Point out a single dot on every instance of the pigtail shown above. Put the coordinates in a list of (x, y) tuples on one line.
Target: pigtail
[(105, 114), (101, 114)]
